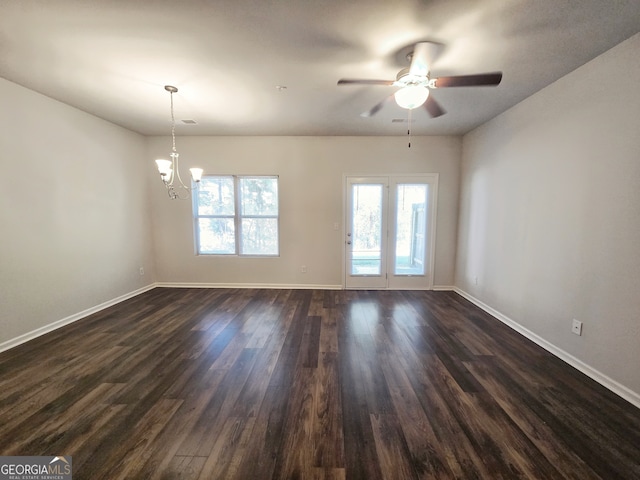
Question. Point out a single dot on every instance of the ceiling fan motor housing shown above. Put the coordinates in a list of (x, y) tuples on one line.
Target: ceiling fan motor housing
[(405, 78)]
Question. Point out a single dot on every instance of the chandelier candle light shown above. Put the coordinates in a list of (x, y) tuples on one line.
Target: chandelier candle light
[(169, 169)]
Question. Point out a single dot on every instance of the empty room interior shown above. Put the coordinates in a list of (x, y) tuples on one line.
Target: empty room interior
[(410, 247)]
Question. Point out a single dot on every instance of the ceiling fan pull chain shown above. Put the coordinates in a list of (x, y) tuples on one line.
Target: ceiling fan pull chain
[(409, 127)]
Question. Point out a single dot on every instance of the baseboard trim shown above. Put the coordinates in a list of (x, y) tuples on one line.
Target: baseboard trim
[(443, 288), (617, 388), (292, 286), (14, 342)]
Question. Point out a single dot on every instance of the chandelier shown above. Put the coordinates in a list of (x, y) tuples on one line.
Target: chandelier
[(169, 169)]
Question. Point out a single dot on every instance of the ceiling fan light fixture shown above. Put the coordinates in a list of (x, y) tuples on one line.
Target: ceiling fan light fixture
[(411, 96)]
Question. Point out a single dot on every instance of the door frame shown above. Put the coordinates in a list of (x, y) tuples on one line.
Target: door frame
[(394, 178)]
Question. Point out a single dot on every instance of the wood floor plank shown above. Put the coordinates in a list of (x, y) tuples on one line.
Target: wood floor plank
[(391, 448), (120, 459), (308, 384), (263, 447), (359, 443), (202, 438), (51, 425), (230, 445), (428, 456), (180, 467), (296, 453), (181, 425), (458, 454), (83, 438), (133, 455), (328, 474), (329, 331), (515, 402), (327, 437), (604, 451), (311, 342), (252, 394)]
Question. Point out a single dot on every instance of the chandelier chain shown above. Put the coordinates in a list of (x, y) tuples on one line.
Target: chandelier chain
[(173, 126)]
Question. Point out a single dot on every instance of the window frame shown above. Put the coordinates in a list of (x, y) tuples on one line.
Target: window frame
[(237, 217)]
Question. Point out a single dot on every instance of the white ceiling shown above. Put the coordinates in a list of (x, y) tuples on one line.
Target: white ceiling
[(112, 58)]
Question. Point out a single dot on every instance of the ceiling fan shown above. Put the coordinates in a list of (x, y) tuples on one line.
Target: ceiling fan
[(415, 82)]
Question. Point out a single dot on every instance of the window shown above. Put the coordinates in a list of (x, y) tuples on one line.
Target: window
[(236, 215)]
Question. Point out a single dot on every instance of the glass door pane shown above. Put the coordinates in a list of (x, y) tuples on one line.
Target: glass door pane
[(410, 229), (366, 232), (366, 252)]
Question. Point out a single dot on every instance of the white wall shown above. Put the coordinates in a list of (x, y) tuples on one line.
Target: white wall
[(311, 171), (550, 214), (74, 213)]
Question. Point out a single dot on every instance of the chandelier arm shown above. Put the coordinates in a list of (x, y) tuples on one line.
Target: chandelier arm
[(179, 192), (176, 156)]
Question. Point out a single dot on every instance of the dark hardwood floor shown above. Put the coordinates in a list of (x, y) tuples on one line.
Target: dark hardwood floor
[(308, 384)]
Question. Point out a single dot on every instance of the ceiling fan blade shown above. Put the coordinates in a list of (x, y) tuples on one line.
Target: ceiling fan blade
[(376, 108), (351, 81), (424, 54), (433, 107), (479, 80)]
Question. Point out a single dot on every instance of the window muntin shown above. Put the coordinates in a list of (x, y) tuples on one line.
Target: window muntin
[(237, 215)]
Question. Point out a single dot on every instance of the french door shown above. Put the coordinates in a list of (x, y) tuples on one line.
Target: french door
[(389, 228)]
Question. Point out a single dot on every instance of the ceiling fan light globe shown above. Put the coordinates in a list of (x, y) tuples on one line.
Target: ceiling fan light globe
[(412, 96)]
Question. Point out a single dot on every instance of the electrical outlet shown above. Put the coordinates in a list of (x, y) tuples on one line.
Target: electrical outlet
[(576, 327), (141, 270), (475, 280), (303, 269)]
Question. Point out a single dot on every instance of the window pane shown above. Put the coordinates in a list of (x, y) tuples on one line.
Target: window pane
[(215, 196), (256, 219), (259, 236), (259, 196), (411, 218), (366, 254), (216, 236)]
